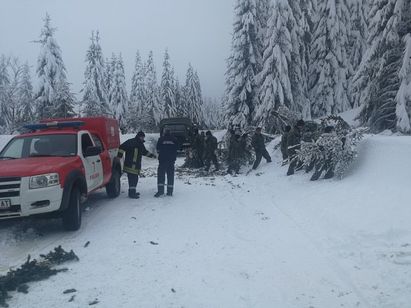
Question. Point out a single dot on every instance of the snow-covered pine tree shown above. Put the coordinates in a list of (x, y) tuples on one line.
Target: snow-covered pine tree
[(329, 65), (95, 100), (383, 76), (152, 112), (275, 85), (50, 71), (192, 96), (357, 43), (179, 99), (4, 83), (263, 13), (118, 95), (243, 65), (108, 76), (64, 108), (25, 94), (12, 103), (212, 113), (403, 98), (304, 14), (198, 111), (137, 94), (167, 88)]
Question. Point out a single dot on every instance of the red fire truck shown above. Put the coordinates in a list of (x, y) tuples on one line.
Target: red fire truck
[(56, 165)]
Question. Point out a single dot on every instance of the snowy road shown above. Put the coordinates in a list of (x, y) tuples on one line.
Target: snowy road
[(263, 240)]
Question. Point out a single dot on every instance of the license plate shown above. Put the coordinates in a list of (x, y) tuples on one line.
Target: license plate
[(5, 204)]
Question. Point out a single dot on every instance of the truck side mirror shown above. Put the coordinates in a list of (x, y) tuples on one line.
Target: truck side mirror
[(92, 151)]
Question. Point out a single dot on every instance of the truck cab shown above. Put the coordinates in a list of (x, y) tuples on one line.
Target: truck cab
[(54, 167)]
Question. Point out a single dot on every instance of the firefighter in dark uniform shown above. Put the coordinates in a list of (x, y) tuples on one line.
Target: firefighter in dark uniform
[(210, 151), (259, 147), (133, 149), (235, 152), (198, 149), (167, 147)]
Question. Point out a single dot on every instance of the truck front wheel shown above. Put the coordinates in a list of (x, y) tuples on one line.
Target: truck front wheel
[(114, 186), (72, 215)]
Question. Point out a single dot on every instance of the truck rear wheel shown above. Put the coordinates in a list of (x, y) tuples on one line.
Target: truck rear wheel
[(114, 186), (72, 215)]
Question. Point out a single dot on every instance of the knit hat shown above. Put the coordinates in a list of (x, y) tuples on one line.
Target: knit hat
[(140, 134)]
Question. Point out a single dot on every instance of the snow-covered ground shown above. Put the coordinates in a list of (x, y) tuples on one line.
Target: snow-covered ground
[(262, 240)]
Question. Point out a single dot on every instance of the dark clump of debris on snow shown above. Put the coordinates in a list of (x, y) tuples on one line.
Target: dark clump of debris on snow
[(33, 270)]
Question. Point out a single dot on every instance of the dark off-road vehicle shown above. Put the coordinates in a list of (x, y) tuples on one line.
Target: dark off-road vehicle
[(181, 128)]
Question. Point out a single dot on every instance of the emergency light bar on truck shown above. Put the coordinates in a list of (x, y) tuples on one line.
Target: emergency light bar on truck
[(54, 124)]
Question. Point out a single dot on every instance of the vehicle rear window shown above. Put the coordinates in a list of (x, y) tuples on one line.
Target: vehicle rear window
[(40, 146), (176, 128)]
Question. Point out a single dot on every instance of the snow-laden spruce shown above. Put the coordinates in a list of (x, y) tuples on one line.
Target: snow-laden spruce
[(304, 16), (243, 65), (179, 98), (137, 94), (152, 111), (118, 94), (4, 82), (403, 98), (25, 94), (193, 99), (329, 65), (95, 100), (167, 88), (16, 95), (384, 73), (212, 113), (275, 88), (357, 44), (51, 74)]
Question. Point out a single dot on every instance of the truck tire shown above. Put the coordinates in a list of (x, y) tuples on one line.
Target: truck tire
[(113, 187), (72, 215)]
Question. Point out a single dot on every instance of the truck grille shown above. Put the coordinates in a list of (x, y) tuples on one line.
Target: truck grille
[(9, 187)]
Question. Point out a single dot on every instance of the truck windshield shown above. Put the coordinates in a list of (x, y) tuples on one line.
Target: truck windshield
[(40, 146)]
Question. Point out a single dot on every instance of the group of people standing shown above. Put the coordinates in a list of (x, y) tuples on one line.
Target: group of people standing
[(204, 150), (134, 150), (204, 153)]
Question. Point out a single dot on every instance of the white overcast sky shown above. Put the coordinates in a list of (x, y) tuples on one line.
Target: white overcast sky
[(196, 31)]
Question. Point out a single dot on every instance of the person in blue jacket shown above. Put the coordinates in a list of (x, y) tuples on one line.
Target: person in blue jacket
[(167, 147)]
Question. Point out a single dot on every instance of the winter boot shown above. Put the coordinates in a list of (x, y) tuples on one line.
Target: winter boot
[(316, 175), (158, 194), (133, 194), (170, 189), (329, 174)]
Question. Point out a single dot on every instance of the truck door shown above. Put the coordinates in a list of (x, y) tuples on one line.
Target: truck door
[(92, 165), (105, 158)]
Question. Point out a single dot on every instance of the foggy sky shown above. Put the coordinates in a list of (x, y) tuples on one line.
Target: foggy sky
[(196, 31)]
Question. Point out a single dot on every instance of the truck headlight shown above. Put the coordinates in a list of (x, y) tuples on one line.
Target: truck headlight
[(44, 180)]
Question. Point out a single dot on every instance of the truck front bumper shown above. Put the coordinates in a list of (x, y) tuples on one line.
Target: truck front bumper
[(32, 201)]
